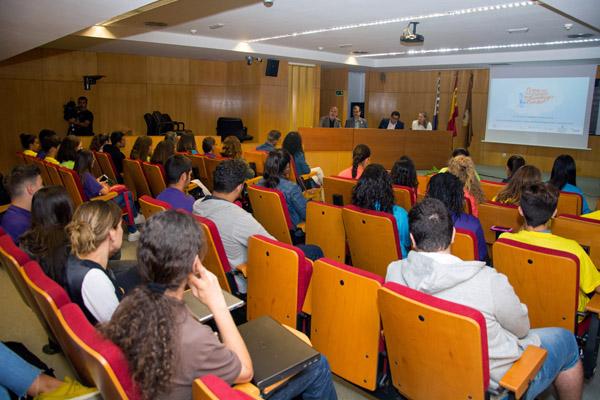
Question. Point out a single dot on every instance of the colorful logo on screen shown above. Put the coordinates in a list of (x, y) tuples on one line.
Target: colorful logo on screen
[(534, 96)]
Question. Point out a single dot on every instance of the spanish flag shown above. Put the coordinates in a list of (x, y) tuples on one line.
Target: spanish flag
[(453, 108)]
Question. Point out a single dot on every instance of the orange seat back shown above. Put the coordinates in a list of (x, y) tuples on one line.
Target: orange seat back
[(372, 238), (498, 214), (215, 259), (21, 157), (535, 272), (43, 171), (491, 189), (270, 210), (96, 170), (325, 228), (134, 177), (198, 164), (569, 203), (73, 185), (423, 183), (106, 165), (465, 245), (258, 158), (336, 188), (53, 174), (345, 316), (585, 231), (404, 197), (150, 206), (436, 349), (155, 176), (211, 165)]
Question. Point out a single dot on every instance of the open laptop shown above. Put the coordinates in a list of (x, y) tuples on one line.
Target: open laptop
[(275, 351), (201, 312)]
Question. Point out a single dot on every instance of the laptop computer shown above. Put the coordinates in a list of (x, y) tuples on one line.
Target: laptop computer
[(201, 312), (275, 351)]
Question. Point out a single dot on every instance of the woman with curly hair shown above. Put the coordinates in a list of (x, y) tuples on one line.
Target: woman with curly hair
[(142, 148), (373, 191), (404, 173), (360, 159), (464, 169), (293, 144), (449, 190), (232, 148), (524, 176)]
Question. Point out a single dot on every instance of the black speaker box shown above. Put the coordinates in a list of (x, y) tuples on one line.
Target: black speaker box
[(272, 67)]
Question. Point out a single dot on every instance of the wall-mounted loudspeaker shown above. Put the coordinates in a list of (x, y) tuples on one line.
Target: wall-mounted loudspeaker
[(272, 67)]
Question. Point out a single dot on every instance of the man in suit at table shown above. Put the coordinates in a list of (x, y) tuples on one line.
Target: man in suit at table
[(356, 121), (392, 123), (331, 120)]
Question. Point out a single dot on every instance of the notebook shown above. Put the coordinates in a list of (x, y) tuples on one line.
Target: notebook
[(275, 351), (201, 312)]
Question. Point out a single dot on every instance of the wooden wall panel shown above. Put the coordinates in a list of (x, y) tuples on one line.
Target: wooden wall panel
[(273, 111), (331, 81), (66, 65), (174, 100), (168, 70), (120, 107), (122, 68), (207, 104), (208, 73), (24, 66)]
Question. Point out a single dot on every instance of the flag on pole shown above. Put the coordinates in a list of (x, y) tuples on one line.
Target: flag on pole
[(467, 118), (453, 108), (436, 108)]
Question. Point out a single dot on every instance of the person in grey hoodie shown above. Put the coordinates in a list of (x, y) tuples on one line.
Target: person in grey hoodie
[(432, 269)]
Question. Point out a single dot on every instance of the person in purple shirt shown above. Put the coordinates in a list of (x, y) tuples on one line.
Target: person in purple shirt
[(22, 183), (178, 169), (449, 190)]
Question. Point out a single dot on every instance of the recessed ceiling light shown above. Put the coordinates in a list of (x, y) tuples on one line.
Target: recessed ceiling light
[(580, 36), (345, 45), (216, 26), (156, 24), (518, 30), (193, 31), (320, 48), (360, 52)]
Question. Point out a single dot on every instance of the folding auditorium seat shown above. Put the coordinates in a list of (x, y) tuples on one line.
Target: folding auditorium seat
[(325, 228), (199, 166), (258, 158), (215, 259), (96, 170), (72, 183), (492, 213), (465, 245), (53, 173), (21, 157), (101, 359), (210, 387), (150, 206), (270, 210), (278, 279), (106, 165), (491, 189), (438, 349), (134, 178), (307, 192), (404, 196), (345, 323), (569, 203), (155, 175), (43, 171), (211, 165), (338, 190), (372, 238), (535, 272), (423, 183), (585, 231)]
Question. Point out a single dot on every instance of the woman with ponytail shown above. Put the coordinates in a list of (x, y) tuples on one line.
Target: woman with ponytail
[(360, 159), (95, 234)]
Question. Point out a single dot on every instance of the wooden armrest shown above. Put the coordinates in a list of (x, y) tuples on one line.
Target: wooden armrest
[(302, 225), (299, 334), (249, 389), (306, 177), (307, 306), (313, 194), (594, 304), (253, 181), (106, 197), (518, 377), (243, 269)]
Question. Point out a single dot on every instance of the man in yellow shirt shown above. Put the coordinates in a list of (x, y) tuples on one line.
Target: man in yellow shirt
[(538, 207)]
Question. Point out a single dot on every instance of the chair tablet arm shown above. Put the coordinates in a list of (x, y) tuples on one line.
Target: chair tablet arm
[(106, 197), (518, 377), (302, 225), (594, 304), (253, 181), (306, 177), (243, 268), (249, 389), (299, 334)]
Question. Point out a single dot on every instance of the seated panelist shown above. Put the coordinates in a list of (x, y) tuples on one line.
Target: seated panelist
[(356, 121), (393, 122), (421, 123), (331, 120)]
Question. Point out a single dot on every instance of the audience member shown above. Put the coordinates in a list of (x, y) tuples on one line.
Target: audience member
[(464, 168), (331, 120), (430, 268), (84, 123), (142, 148), (67, 151), (25, 380), (46, 241), (22, 183), (179, 174), (43, 135), (449, 190), (98, 142), (360, 159), (272, 139), (163, 151), (393, 122), (374, 192), (208, 145), (421, 123), (50, 148), (512, 165), (187, 143), (524, 176), (356, 121), (293, 145), (538, 207), (171, 137), (232, 148), (564, 178), (459, 152), (30, 144), (404, 173), (95, 234), (117, 142)]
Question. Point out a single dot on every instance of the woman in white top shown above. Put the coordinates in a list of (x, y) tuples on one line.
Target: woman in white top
[(421, 124)]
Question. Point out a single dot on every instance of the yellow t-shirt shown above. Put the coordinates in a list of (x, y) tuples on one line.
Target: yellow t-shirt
[(30, 153), (52, 160), (593, 215), (589, 276)]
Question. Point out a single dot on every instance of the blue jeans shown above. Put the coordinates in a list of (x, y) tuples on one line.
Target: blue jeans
[(314, 383), (16, 374), (563, 354), (311, 251)]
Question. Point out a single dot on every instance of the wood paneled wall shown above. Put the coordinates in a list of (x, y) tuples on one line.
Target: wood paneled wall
[(410, 92), (333, 80)]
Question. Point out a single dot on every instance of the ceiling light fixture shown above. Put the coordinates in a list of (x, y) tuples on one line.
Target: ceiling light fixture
[(518, 30), (479, 48), (450, 13), (216, 26)]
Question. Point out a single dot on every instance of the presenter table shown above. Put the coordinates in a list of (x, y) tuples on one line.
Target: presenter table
[(426, 148)]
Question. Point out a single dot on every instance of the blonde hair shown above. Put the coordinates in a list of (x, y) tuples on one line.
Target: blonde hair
[(464, 169), (231, 147), (90, 225)]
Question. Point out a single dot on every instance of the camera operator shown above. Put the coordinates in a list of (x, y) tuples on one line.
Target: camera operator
[(81, 120)]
